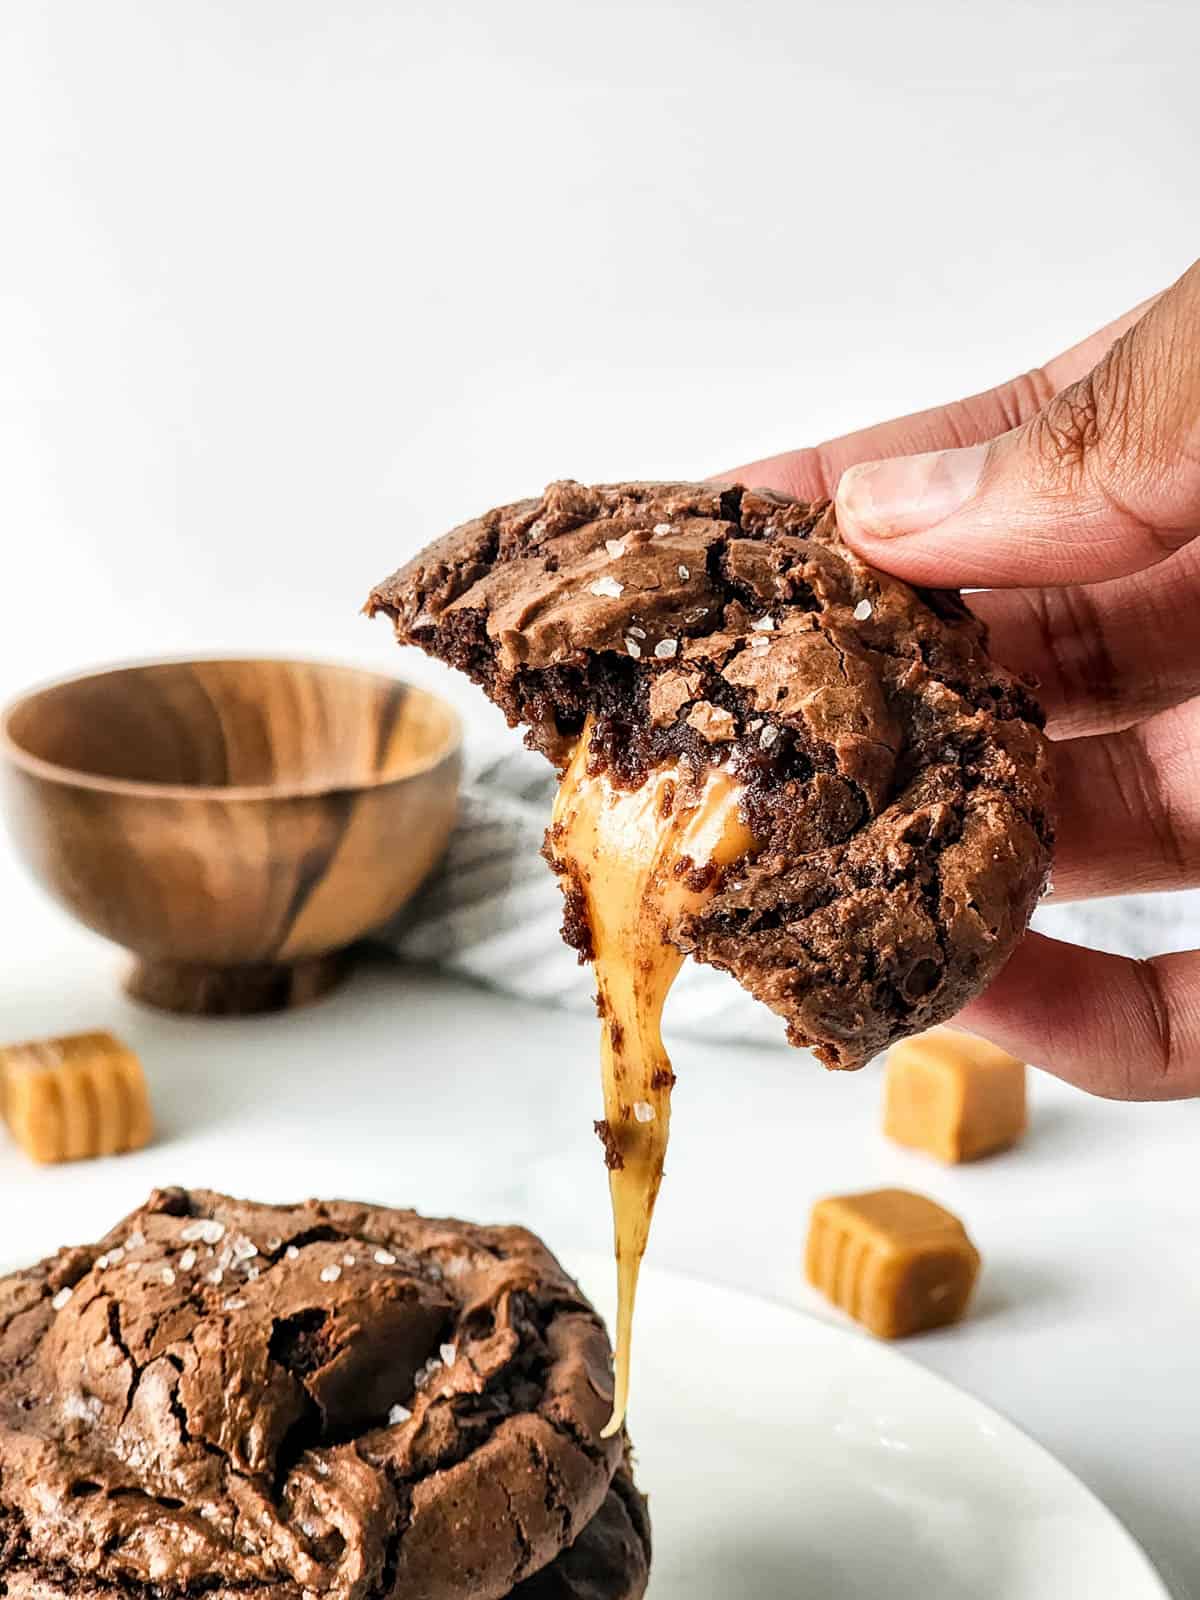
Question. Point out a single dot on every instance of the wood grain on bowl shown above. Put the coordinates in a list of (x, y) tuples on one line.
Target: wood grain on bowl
[(234, 824)]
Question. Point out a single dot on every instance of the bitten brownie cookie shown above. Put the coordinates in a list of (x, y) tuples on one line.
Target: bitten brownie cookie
[(895, 779), (229, 1399)]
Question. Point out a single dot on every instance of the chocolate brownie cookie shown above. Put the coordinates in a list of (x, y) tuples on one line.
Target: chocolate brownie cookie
[(895, 779), (230, 1399)]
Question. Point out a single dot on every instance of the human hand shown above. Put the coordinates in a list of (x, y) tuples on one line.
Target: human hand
[(1071, 495)]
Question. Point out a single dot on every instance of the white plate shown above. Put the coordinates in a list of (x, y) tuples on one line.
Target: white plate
[(788, 1459)]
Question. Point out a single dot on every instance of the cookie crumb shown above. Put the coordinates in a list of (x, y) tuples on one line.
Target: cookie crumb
[(613, 1159)]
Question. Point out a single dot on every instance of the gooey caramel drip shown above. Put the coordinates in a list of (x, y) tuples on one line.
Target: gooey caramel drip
[(638, 858)]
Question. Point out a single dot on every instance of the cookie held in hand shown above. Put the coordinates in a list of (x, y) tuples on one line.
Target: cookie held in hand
[(895, 780)]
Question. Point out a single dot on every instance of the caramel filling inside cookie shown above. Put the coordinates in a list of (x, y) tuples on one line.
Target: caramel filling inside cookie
[(633, 862)]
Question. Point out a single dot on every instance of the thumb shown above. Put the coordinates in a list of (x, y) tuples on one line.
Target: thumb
[(1103, 481)]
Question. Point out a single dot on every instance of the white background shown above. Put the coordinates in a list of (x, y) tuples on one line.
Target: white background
[(286, 288)]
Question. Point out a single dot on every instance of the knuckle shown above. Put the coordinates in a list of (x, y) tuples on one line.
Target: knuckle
[(1114, 435), (1074, 634), (1066, 433), (1164, 1059), (1143, 809), (1099, 422)]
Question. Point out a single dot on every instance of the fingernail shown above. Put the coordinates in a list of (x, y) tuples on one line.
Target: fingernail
[(910, 494)]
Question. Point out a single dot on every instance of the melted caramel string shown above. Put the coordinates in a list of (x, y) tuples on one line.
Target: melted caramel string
[(634, 856)]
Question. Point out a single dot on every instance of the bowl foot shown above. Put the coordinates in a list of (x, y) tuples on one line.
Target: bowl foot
[(201, 991)]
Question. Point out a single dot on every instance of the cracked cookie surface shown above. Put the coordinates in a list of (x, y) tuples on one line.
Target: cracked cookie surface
[(332, 1399), (895, 778)]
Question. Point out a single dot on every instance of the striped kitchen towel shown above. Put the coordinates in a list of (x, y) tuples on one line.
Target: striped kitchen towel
[(492, 912)]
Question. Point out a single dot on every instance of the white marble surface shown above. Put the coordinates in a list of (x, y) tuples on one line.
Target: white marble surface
[(410, 1088)]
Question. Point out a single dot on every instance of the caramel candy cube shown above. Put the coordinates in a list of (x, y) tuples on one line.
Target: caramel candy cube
[(952, 1095), (81, 1095), (895, 1261)]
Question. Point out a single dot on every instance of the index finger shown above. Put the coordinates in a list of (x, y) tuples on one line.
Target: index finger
[(812, 473), (1128, 1030)]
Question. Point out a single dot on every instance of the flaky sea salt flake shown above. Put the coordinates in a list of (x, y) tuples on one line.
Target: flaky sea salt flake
[(207, 1230), (643, 1111), (187, 1260), (291, 1253), (666, 648), (449, 1354), (634, 648), (607, 587), (663, 527), (385, 1258), (61, 1298), (684, 572), (81, 1407), (862, 611), (330, 1274), (615, 547), (243, 1248), (768, 736), (397, 1415), (168, 1276), (348, 1260), (763, 625)]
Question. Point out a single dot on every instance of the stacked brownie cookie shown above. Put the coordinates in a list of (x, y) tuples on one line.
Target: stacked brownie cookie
[(228, 1399)]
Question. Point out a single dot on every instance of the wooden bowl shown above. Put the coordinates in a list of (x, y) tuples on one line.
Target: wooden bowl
[(234, 824)]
